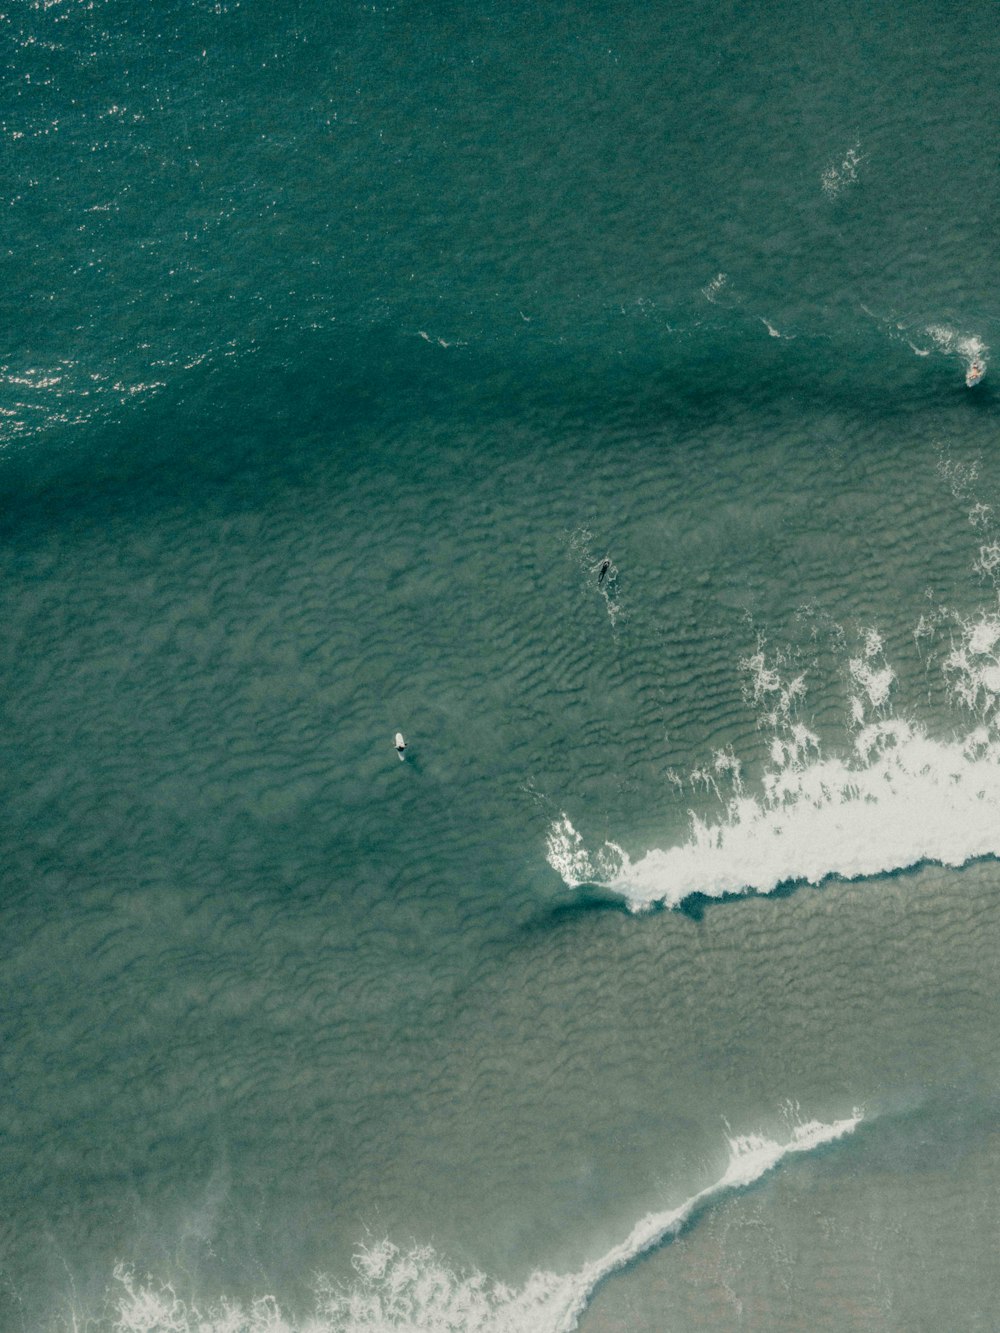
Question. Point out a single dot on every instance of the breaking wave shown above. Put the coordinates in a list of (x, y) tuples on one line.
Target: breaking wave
[(396, 1291), (898, 798)]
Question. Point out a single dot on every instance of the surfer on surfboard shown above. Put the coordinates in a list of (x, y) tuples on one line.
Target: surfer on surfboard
[(399, 745)]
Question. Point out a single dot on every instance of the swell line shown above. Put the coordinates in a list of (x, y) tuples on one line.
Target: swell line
[(396, 1291)]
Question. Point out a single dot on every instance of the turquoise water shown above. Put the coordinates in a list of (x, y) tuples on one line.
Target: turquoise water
[(342, 345)]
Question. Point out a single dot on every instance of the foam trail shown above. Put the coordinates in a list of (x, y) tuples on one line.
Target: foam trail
[(969, 347), (775, 333), (414, 1292), (591, 566), (898, 799)]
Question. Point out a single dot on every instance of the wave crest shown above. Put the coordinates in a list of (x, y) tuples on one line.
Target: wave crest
[(897, 799), (397, 1291)]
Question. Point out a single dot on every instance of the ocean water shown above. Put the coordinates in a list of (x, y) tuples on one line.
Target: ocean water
[(655, 989)]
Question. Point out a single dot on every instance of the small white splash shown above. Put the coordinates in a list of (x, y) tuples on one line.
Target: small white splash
[(440, 342), (837, 177), (397, 1291), (569, 857), (969, 347), (981, 515), (988, 561), (773, 332), (871, 673), (975, 370), (713, 290)]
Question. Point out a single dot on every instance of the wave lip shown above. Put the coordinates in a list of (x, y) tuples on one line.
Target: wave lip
[(914, 800), (414, 1292), (897, 799)]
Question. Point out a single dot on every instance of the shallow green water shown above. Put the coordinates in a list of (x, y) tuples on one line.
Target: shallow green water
[(341, 346)]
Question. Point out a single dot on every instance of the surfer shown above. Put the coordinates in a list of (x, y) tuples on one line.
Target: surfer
[(605, 566), (975, 373), (400, 745)]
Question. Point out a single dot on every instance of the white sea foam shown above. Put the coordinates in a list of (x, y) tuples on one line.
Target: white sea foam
[(441, 342), (713, 290), (837, 176), (898, 798), (970, 348), (395, 1291), (773, 332)]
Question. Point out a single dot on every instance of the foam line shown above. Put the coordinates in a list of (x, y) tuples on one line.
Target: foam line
[(897, 799), (414, 1292), (916, 800), (751, 1156)]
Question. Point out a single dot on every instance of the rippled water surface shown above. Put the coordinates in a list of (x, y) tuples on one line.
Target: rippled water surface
[(655, 988)]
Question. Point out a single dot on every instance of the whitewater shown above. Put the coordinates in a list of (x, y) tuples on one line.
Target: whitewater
[(397, 1291), (898, 798)]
